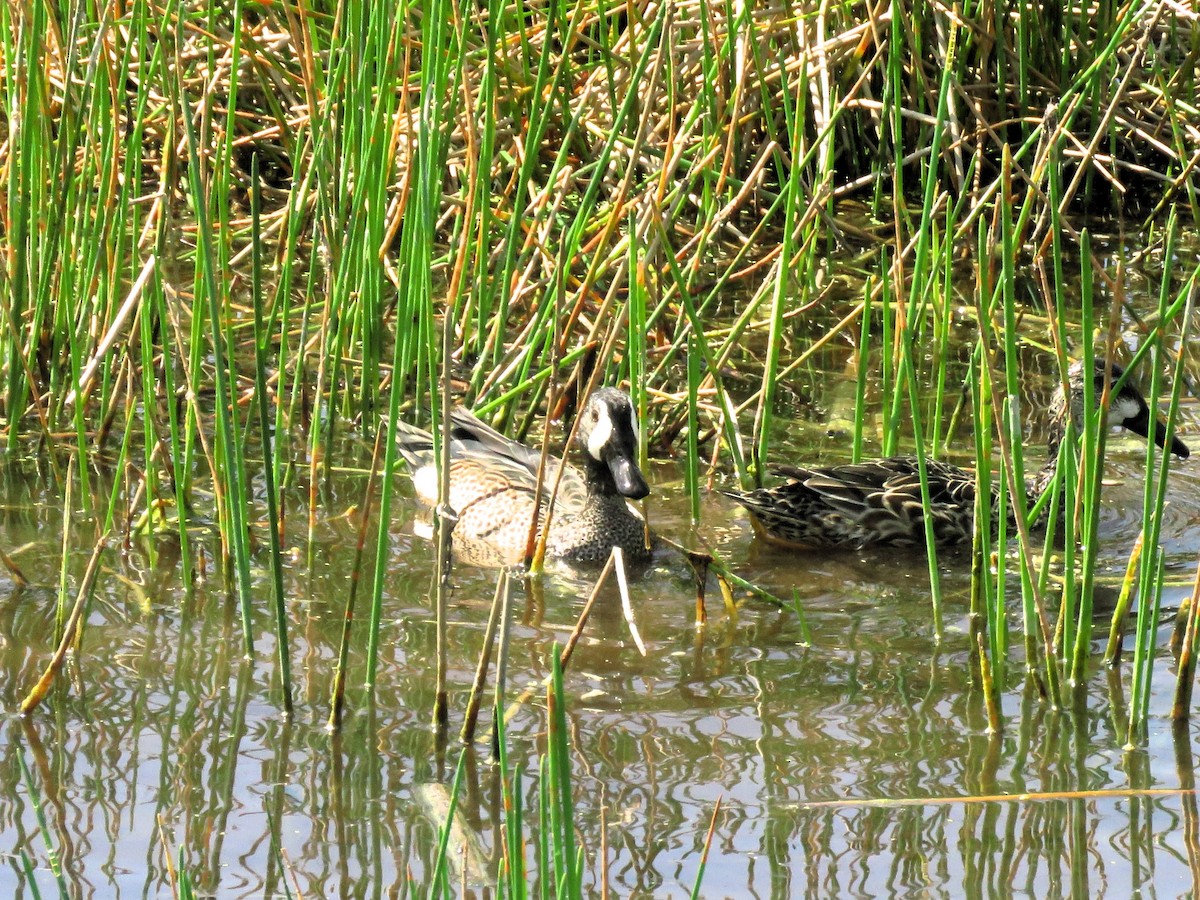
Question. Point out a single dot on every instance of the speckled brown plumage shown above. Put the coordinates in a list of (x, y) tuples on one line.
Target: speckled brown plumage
[(875, 502), (493, 482), (879, 502)]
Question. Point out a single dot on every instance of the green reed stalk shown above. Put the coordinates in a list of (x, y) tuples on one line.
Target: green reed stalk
[(1152, 571), (571, 242), (892, 132), (439, 872), (991, 690), (1150, 582), (683, 283), (179, 464), (541, 347), (567, 870), (235, 507), (888, 392), (1035, 620), (539, 118), (445, 518), (533, 385), (478, 309), (691, 460), (908, 373), (707, 101), (222, 165), (361, 155), (85, 267), (38, 170), (1185, 674), (1062, 495), (155, 495), (288, 255), (779, 295), (724, 401), (416, 303), (39, 813), (186, 891), (61, 606), (797, 607), (129, 231), (1077, 645), (27, 141), (512, 855), (1035, 623), (546, 842), (31, 878), (123, 462), (983, 593), (636, 345), (942, 312), (283, 425), (1047, 510), (924, 275), (338, 690), (862, 361), (262, 398)]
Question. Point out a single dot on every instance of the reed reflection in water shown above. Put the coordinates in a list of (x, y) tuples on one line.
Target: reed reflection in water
[(161, 735)]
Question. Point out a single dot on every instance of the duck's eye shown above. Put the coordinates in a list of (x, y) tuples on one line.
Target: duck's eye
[(595, 415)]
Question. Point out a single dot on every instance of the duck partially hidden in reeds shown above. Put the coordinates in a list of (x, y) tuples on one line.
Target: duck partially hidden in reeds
[(878, 502), (493, 482)]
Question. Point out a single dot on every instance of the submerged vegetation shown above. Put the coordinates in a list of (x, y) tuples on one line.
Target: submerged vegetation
[(236, 233)]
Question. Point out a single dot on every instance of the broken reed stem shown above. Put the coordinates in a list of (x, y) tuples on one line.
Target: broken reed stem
[(991, 693), (39, 690), (1116, 631), (485, 659), (1185, 677)]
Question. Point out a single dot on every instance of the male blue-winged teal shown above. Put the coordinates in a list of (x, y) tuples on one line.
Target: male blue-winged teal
[(878, 502), (493, 480)]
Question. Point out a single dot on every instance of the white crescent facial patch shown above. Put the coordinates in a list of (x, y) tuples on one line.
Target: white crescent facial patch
[(1122, 409), (600, 434)]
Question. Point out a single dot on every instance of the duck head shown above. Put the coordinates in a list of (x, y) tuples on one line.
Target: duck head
[(608, 436), (1127, 407)]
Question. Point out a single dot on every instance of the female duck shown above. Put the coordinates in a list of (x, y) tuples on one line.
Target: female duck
[(878, 502), (493, 480)]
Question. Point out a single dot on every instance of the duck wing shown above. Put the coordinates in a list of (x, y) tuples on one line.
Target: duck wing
[(483, 454)]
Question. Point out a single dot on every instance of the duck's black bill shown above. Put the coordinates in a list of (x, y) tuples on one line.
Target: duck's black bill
[(627, 477), (1140, 424)]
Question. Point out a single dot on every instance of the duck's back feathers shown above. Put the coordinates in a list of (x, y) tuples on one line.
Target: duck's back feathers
[(859, 504)]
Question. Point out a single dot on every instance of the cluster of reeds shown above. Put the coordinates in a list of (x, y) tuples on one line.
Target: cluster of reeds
[(232, 231), (560, 859), (522, 174)]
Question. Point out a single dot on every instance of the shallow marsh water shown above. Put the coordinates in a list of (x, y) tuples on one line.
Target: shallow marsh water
[(161, 736)]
